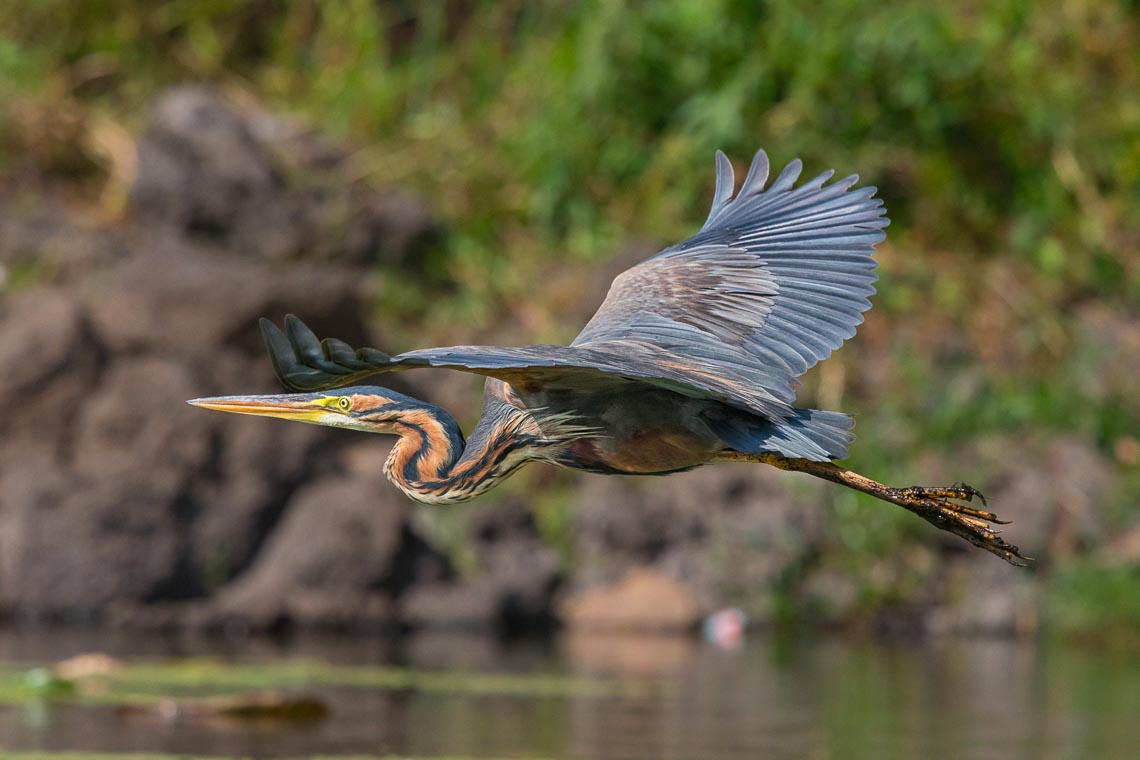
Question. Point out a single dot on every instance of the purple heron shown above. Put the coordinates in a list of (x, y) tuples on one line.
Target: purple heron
[(691, 359)]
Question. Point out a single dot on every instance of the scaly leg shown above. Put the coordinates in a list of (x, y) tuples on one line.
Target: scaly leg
[(934, 505)]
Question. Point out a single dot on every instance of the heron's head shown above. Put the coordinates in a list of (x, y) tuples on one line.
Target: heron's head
[(367, 408)]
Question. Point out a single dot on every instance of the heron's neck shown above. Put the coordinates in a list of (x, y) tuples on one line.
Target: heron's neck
[(431, 463)]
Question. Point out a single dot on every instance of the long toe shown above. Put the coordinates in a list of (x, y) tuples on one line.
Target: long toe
[(936, 506)]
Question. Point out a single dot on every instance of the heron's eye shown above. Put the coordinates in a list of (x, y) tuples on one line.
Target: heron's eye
[(345, 403)]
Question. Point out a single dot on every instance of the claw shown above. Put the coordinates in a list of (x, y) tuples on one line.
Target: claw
[(973, 492), (978, 513), (937, 506)]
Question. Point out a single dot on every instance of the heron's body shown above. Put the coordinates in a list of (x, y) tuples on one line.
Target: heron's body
[(638, 432), (692, 358)]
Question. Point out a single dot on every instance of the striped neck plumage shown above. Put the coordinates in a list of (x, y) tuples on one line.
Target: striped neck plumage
[(432, 464)]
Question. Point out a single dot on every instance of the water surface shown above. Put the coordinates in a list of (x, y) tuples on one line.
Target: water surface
[(636, 698)]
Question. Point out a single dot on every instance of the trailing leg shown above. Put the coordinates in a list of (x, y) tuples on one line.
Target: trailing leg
[(938, 506)]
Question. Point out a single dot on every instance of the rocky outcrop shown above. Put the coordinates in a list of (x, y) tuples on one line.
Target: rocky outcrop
[(729, 533), (114, 492), (216, 172), (644, 601), (111, 487), (342, 551), (511, 587), (119, 502)]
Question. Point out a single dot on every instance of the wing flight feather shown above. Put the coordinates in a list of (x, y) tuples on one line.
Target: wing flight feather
[(774, 281)]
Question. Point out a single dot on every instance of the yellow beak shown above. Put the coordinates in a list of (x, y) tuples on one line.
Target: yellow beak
[(302, 407)]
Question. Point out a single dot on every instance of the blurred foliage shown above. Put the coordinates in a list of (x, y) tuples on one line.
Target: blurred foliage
[(551, 128), (1096, 603), (1004, 137)]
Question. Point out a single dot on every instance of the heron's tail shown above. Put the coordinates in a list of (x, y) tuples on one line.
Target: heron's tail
[(808, 434)]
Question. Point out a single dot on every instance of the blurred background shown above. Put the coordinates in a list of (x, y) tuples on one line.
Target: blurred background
[(407, 174)]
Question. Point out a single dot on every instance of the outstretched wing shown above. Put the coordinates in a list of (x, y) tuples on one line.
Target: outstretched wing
[(302, 362), (774, 282)]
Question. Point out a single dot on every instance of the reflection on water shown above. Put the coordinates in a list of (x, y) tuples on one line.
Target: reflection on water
[(814, 698)]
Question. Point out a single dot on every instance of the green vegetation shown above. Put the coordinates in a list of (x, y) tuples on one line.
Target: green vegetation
[(148, 682), (546, 129), (1096, 603), (1004, 136)]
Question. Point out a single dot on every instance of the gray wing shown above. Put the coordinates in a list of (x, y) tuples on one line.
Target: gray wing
[(302, 362), (775, 280)]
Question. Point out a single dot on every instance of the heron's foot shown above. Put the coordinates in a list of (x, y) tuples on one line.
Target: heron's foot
[(940, 507)]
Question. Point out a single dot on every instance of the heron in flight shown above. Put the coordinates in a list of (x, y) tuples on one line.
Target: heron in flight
[(692, 358)]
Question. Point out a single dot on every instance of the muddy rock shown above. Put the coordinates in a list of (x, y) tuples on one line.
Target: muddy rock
[(117, 497), (452, 607), (50, 246), (192, 303), (729, 533), (645, 600), (40, 335), (139, 408), (256, 184), (102, 405), (242, 492), (524, 572), (201, 172), (343, 549), (50, 366), (512, 588), (71, 545)]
